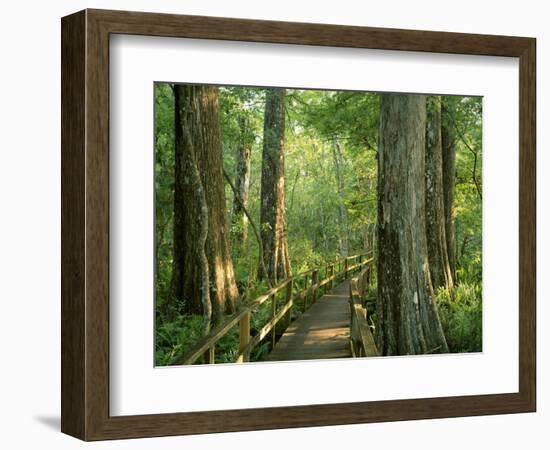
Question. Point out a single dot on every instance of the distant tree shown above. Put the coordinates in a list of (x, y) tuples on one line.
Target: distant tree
[(448, 145), (202, 265), (407, 316), (242, 181), (338, 158), (440, 269), (272, 206)]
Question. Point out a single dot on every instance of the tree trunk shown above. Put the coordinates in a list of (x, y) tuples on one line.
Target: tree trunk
[(323, 224), (448, 144), (272, 209), (242, 183), (435, 210), (343, 238), (369, 238), (408, 321), (198, 137)]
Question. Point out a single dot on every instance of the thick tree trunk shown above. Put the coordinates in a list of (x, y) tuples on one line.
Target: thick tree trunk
[(242, 183), (448, 144), (198, 136), (272, 209), (435, 210), (408, 321), (343, 238)]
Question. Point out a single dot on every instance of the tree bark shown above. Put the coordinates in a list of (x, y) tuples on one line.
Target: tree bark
[(438, 258), (272, 208), (408, 321), (242, 183), (343, 238), (198, 142), (448, 144)]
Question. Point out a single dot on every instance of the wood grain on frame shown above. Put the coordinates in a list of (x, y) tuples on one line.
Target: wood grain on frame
[(72, 223), (85, 224)]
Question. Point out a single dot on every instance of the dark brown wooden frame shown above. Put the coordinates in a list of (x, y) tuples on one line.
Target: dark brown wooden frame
[(85, 224)]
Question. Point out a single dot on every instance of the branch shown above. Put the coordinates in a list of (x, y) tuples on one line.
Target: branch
[(253, 225)]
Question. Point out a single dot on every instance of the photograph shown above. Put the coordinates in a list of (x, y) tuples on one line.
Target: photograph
[(299, 224)]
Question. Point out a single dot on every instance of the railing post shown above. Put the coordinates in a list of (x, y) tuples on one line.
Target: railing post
[(345, 268), (368, 275), (209, 355), (244, 336), (304, 304), (331, 275), (273, 313), (314, 282), (352, 321), (325, 286)]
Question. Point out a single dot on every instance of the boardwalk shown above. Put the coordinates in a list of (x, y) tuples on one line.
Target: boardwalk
[(322, 332), (335, 326)]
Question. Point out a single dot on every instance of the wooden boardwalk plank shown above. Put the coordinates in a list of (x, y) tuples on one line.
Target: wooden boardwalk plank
[(321, 332)]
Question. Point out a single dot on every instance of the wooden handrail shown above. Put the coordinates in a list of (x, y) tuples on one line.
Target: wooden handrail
[(221, 330), (215, 335), (206, 346), (361, 338), (269, 326)]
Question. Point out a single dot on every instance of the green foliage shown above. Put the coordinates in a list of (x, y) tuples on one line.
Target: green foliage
[(465, 119), (176, 337), (164, 190), (461, 317), (317, 119)]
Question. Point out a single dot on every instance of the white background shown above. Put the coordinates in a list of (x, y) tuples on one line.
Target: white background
[(30, 238), (136, 387)]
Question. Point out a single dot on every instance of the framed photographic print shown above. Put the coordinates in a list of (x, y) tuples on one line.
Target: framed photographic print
[(271, 224)]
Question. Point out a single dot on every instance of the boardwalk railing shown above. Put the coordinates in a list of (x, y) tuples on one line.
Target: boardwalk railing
[(361, 338), (308, 283)]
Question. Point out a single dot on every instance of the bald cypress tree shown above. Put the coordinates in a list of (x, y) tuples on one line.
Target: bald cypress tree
[(272, 208), (438, 257), (448, 145), (201, 235), (408, 321)]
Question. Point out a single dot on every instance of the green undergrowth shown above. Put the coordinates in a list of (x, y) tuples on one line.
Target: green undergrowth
[(177, 337), (461, 317)]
